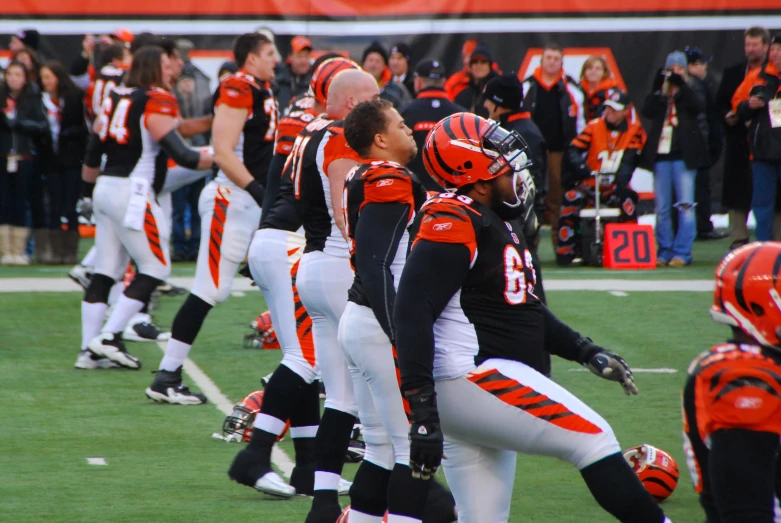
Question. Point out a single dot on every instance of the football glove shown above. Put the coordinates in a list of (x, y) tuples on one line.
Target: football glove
[(607, 365), (425, 435)]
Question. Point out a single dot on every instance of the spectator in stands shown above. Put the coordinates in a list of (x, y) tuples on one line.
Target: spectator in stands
[(29, 59), (736, 179), (203, 88), (186, 248), (226, 69), (375, 62), (399, 63), (480, 73), (697, 65), (22, 123), (460, 80), (293, 80), (598, 84), (556, 104), (24, 39), (758, 101), (61, 158), (430, 106), (676, 148)]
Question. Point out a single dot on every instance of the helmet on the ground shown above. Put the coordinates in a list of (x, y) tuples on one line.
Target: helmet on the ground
[(239, 423), (656, 469)]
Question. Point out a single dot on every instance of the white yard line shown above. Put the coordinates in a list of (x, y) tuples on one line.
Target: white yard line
[(663, 370), (244, 285), (278, 456)]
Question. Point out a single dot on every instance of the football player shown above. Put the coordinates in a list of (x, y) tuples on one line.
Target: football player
[(136, 123), (381, 199), (610, 145), (466, 312), (243, 138), (732, 397), (274, 254)]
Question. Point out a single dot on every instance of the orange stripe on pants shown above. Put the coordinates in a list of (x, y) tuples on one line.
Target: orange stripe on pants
[(152, 234), (303, 321), (221, 204)]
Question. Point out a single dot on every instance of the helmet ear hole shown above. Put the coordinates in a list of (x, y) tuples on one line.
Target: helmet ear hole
[(467, 164), (757, 309)]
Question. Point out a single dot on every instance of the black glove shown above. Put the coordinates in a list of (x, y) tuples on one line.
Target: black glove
[(676, 80), (607, 365), (425, 435), (659, 78)]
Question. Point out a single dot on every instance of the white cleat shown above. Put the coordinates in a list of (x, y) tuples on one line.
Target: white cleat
[(344, 487), (272, 484), (109, 345), (81, 274), (87, 361)]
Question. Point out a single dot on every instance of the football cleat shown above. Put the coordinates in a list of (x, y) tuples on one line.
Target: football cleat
[(656, 469), (253, 469), (240, 421), (356, 448), (168, 289), (88, 361), (110, 345), (265, 379), (167, 387), (81, 274), (344, 487), (141, 328)]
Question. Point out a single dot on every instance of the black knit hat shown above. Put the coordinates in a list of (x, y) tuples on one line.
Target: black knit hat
[(403, 49), (30, 38), (505, 91), (375, 47)]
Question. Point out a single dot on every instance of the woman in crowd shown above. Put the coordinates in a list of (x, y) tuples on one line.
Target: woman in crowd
[(58, 240), (22, 126), (598, 84), (676, 148), (29, 59)]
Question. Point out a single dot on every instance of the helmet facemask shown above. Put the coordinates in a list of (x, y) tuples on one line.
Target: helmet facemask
[(511, 151), (239, 423)]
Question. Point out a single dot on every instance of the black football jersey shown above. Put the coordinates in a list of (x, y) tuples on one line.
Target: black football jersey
[(125, 141), (256, 145), (380, 182), (318, 145), (496, 313), (107, 79)]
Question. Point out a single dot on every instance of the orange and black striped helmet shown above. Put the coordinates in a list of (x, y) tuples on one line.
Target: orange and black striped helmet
[(240, 421), (656, 469), (325, 73), (465, 148), (747, 291)]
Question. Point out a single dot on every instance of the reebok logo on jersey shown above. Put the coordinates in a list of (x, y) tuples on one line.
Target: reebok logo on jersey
[(383, 183), (443, 226), (422, 431), (745, 402)]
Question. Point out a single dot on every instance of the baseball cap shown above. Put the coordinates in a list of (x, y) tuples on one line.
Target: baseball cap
[(675, 58), (695, 55), (618, 100), (123, 35), (430, 69), (505, 91), (299, 43), (481, 51), (403, 49)]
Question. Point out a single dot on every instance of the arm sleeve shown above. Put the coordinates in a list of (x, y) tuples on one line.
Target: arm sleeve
[(175, 147), (742, 470), (273, 180), (433, 274), (560, 339), (93, 154), (377, 238)]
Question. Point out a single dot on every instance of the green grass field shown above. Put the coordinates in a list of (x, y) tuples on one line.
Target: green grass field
[(162, 464)]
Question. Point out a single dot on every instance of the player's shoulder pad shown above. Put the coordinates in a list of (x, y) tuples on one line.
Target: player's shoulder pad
[(450, 218), (387, 182), (236, 91), (161, 101)]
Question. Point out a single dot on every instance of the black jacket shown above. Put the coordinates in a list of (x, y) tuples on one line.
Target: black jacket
[(72, 139), (764, 140), (420, 115), (572, 100), (25, 133), (289, 86), (472, 96), (690, 108)]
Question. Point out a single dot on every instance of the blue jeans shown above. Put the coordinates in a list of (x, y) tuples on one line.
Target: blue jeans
[(181, 200), (765, 176), (669, 176)]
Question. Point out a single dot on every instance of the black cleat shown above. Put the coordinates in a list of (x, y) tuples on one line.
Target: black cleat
[(167, 387)]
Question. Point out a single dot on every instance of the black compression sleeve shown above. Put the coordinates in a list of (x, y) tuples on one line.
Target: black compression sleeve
[(742, 471), (560, 338), (176, 148), (92, 155), (377, 238), (434, 272), (273, 181), (256, 191)]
